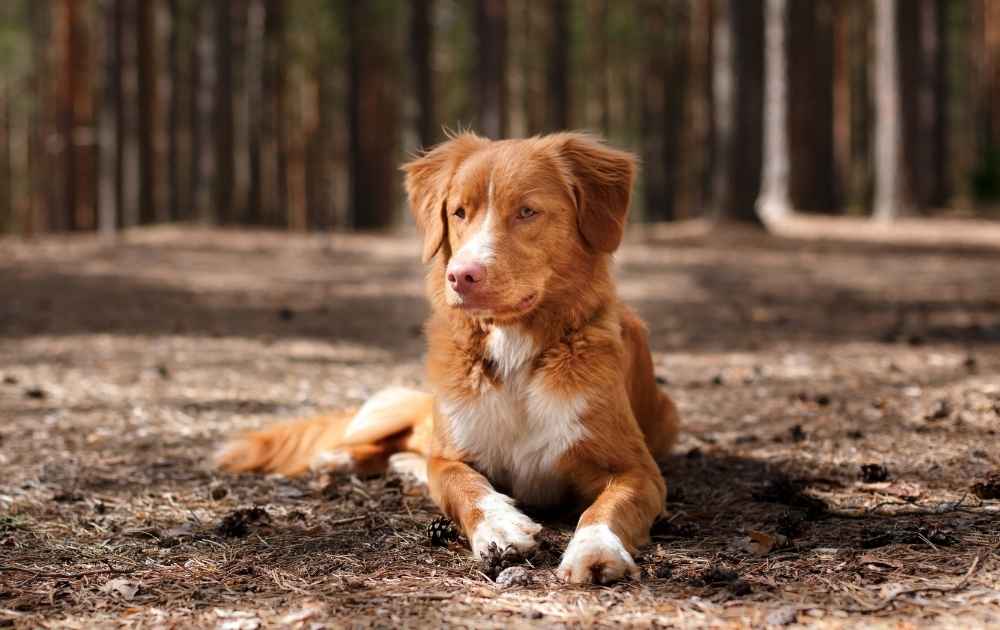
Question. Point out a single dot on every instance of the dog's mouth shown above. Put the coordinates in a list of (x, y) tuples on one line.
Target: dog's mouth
[(487, 308)]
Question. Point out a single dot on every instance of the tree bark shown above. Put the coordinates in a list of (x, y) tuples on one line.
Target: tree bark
[(274, 158), (558, 71), (224, 130), (422, 52), (739, 52), (491, 73), (654, 91), (599, 103), (175, 191), (889, 199), (774, 201), (149, 211), (809, 50), (111, 122), (374, 116)]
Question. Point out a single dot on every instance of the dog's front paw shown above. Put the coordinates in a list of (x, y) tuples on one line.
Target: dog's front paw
[(596, 555), (503, 525)]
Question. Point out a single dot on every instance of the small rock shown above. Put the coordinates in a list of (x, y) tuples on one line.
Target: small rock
[(782, 616), (513, 577), (36, 393), (10, 379)]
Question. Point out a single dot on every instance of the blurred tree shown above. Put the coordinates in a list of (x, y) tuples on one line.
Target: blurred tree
[(810, 50), (491, 74), (373, 105), (422, 52), (558, 69), (774, 201), (111, 123), (273, 159), (149, 209), (599, 115), (890, 197), (223, 121), (738, 93)]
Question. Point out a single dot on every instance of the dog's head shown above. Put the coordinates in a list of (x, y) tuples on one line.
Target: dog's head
[(515, 220)]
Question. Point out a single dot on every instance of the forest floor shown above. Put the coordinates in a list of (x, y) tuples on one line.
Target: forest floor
[(796, 361)]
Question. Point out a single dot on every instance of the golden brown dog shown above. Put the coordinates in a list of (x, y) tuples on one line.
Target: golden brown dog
[(542, 385)]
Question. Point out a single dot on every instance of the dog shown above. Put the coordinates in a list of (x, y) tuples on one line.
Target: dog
[(542, 385)]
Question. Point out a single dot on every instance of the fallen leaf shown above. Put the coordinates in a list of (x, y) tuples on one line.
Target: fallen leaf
[(121, 587), (762, 543)]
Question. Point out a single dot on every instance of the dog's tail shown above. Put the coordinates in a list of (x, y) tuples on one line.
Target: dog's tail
[(393, 420)]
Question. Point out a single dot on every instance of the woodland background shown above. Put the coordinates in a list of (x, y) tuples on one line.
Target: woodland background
[(296, 114)]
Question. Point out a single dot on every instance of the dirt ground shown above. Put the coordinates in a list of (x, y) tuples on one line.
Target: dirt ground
[(795, 360)]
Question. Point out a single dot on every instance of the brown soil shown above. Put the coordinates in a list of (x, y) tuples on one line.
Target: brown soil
[(795, 362)]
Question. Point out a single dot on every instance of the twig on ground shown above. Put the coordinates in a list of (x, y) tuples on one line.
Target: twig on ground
[(12, 568), (958, 586)]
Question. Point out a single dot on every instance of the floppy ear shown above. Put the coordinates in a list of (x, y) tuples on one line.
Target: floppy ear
[(427, 180), (602, 183)]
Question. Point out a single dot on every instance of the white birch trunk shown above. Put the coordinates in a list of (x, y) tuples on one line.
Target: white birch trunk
[(889, 201), (773, 202)]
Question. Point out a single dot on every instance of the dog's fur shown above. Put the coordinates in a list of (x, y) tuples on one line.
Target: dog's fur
[(542, 383)]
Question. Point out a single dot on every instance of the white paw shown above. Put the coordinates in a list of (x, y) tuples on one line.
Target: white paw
[(596, 555), (338, 461), (409, 464), (504, 525)]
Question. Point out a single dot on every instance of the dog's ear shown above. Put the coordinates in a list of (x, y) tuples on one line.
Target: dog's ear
[(427, 180), (602, 183)]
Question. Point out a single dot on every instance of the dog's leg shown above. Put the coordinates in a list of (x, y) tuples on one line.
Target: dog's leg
[(485, 515), (614, 526)]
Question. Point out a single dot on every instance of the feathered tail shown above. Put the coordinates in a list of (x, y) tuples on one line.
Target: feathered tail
[(393, 420)]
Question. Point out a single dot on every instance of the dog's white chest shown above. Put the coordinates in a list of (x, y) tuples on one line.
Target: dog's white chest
[(516, 432)]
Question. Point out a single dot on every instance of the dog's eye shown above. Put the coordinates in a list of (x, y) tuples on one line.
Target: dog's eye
[(526, 213), (460, 213)]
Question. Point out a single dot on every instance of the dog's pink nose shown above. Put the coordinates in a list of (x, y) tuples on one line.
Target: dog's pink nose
[(466, 277)]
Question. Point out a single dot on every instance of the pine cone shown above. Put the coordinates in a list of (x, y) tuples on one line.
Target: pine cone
[(442, 531)]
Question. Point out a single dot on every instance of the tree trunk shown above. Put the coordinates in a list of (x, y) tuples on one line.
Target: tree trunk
[(150, 211), (699, 139), (739, 56), (654, 90), (491, 73), (274, 158), (422, 51), (7, 219), (111, 123), (774, 202), (224, 130), (842, 114), (889, 193), (374, 115), (599, 103), (558, 71), (810, 123), (174, 192), (201, 106)]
